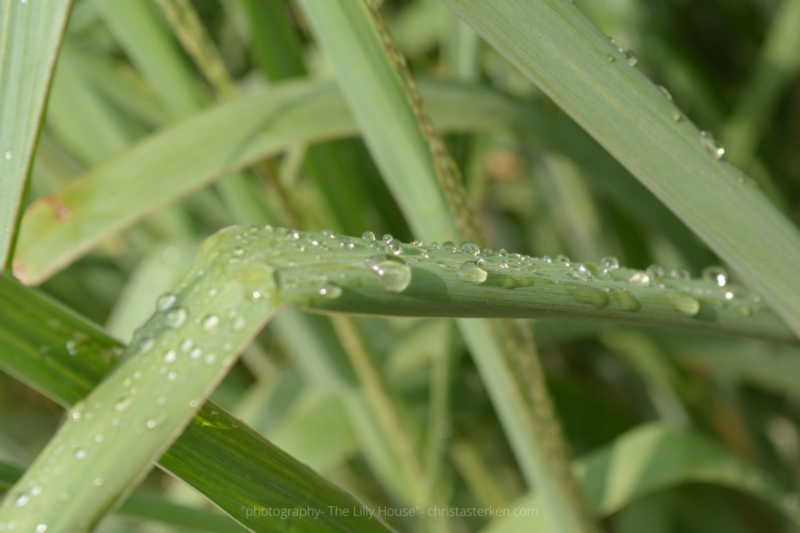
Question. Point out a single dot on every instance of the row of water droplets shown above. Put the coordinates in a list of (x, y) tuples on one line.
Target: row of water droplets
[(706, 138), (166, 353), (391, 265)]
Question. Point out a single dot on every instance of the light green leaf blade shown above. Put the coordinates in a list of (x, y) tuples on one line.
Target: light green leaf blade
[(650, 458), (64, 357), (167, 165), (555, 45), (30, 34)]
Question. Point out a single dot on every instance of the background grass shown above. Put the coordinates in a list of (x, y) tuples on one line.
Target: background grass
[(138, 143)]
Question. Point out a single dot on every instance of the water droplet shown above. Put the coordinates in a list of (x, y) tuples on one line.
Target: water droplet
[(170, 356), (680, 273), (417, 243), (99, 481), (716, 274), (237, 251), (589, 295), (665, 91), (165, 301), (434, 245), (684, 303), (640, 278), (610, 261), (388, 238), (123, 403), (448, 246), (293, 235), (676, 117), (655, 272), (707, 140), (395, 246), (472, 272), (331, 291), (151, 424), (394, 274), (176, 317), (590, 269), (368, 236), (210, 358), (172, 375), (22, 500), (196, 352), (7, 154), (470, 247), (186, 345), (41, 528), (80, 453), (563, 259), (36, 490), (609, 58), (239, 323), (622, 301), (631, 56), (210, 322)]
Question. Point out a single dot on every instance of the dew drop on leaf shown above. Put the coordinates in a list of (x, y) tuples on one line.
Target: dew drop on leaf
[(716, 274), (684, 303), (472, 272), (176, 317)]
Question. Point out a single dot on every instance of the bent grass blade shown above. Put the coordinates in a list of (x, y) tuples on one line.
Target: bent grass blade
[(241, 277)]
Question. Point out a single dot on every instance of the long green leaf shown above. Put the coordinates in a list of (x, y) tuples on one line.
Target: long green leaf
[(30, 34), (555, 45), (64, 357), (650, 458), (167, 166), (240, 277)]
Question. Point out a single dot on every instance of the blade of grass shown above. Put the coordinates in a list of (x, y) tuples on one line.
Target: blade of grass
[(30, 35), (213, 308), (557, 47), (650, 458), (167, 166), (64, 357), (778, 64), (149, 507)]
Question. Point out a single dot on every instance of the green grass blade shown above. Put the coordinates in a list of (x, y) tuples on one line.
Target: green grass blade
[(556, 46), (30, 35), (150, 507), (137, 26), (64, 357), (223, 301), (650, 458), (346, 32), (167, 165)]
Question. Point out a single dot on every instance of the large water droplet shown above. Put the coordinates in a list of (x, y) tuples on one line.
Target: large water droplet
[(610, 262), (41, 528), (165, 301), (80, 453), (631, 56), (472, 272), (589, 295), (368, 235), (655, 272), (331, 291), (680, 273), (684, 303), (7, 154), (239, 323), (22, 500), (707, 140), (196, 352), (716, 274), (449, 246), (176, 317), (394, 274), (470, 247), (641, 279), (170, 356), (210, 322), (622, 301)]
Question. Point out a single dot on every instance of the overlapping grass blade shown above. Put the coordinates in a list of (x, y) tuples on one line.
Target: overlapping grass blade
[(30, 35), (650, 458), (149, 507), (167, 166), (241, 276), (64, 357), (555, 45)]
